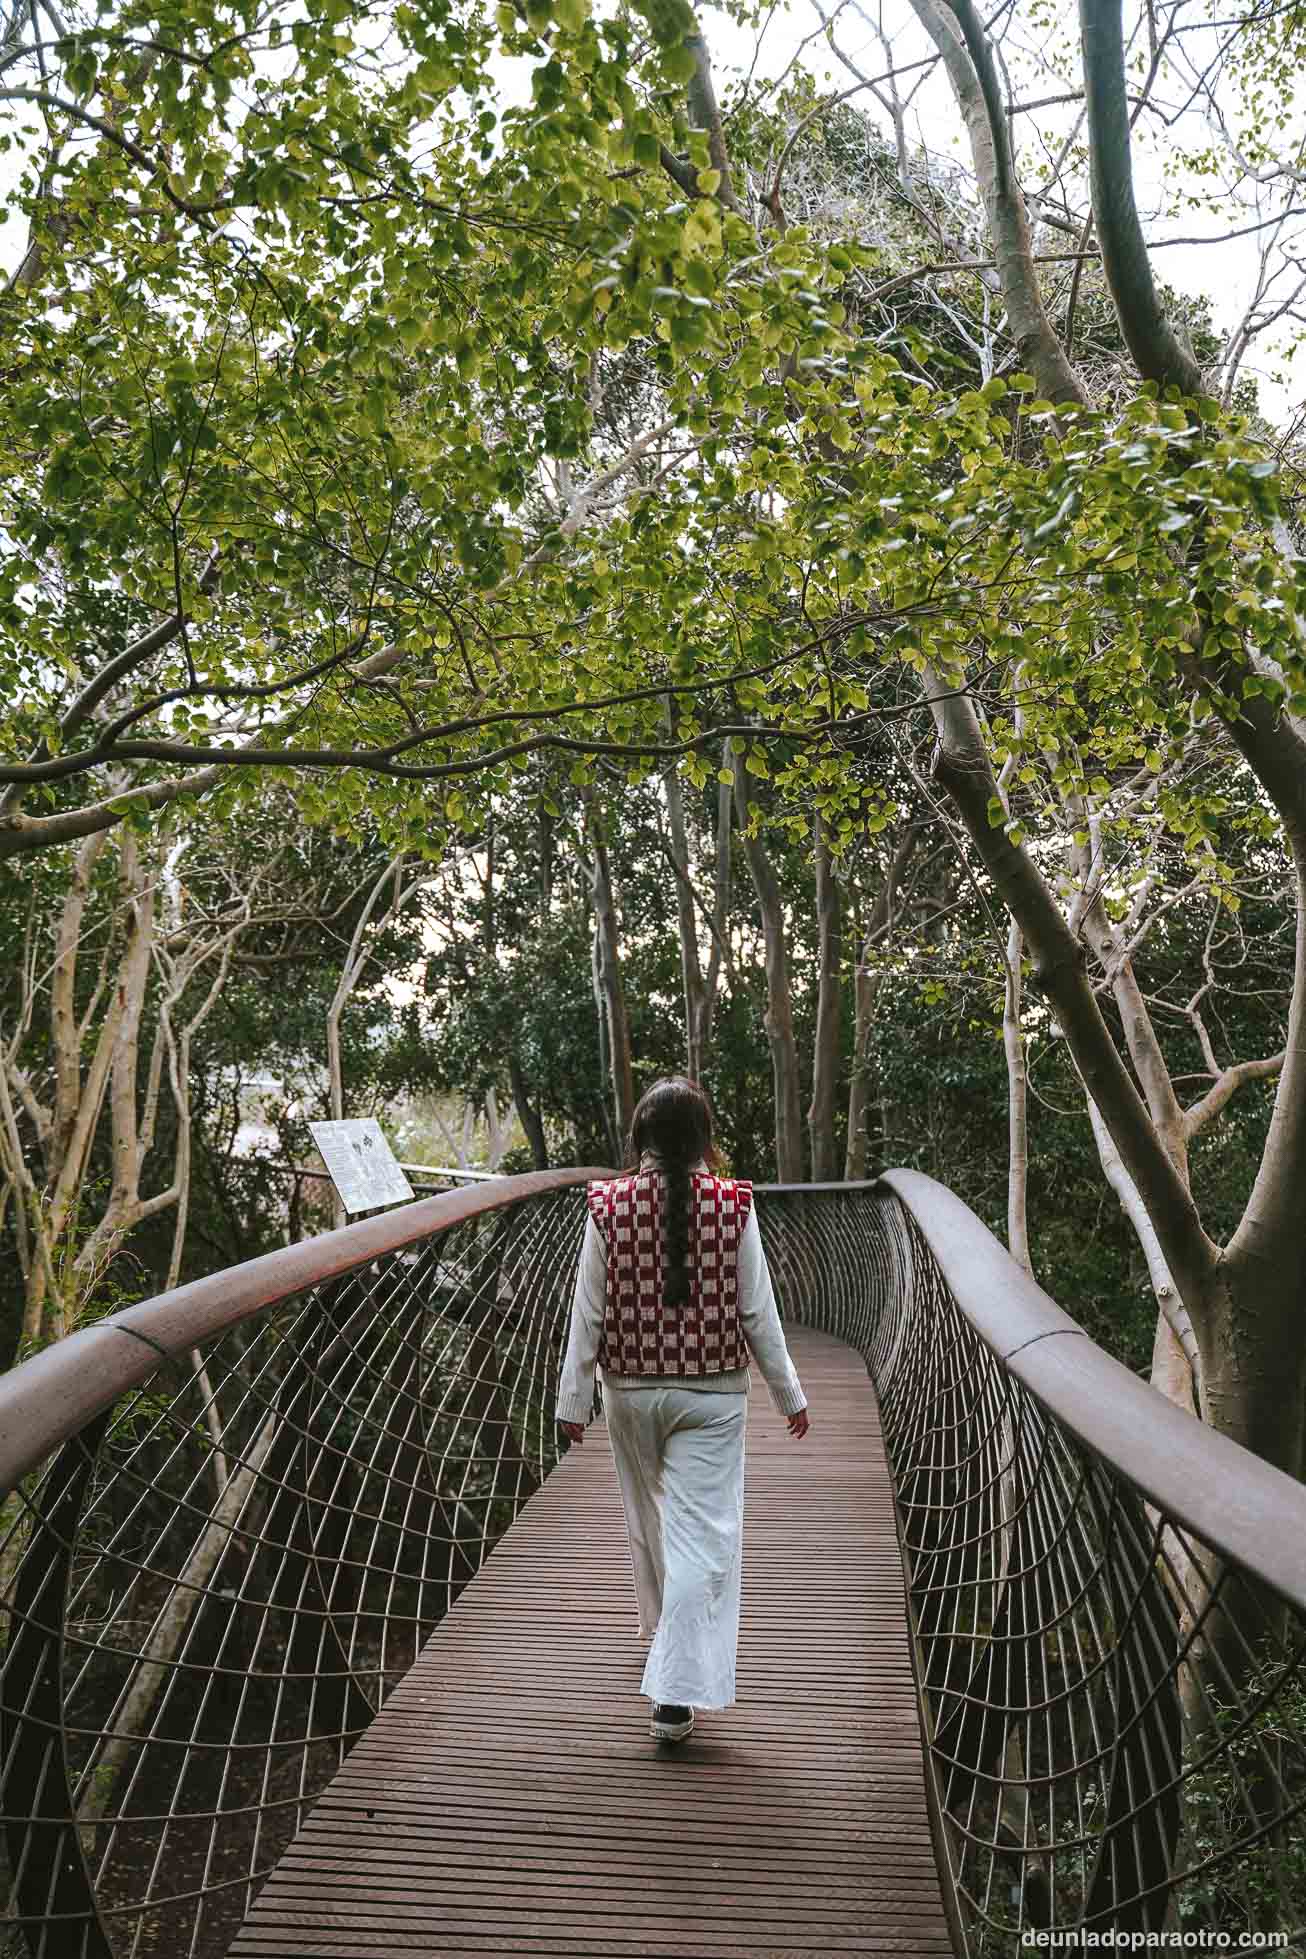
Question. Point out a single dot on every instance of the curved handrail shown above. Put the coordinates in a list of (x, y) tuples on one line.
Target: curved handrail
[(1239, 1505), (231, 1517), (49, 1397), (1107, 1599), (260, 1491)]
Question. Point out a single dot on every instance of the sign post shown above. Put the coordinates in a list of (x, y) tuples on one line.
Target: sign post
[(361, 1163)]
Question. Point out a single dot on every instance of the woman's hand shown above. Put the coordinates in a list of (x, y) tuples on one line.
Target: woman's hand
[(574, 1431), (799, 1424)]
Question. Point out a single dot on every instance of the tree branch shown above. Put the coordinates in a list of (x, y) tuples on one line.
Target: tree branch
[(1226, 1086), (962, 766), (958, 35), (1148, 334)]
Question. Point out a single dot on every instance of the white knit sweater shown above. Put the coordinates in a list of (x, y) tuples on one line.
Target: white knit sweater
[(757, 1314)]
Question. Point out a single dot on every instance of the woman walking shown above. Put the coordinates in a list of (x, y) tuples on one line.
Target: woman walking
[(672, 1295)]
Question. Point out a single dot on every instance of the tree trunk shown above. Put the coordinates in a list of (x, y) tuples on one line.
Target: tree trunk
[(866, 985), (963, 767), (1013, 1042), (608, 979), (691, 967), (1148, 334), (718, 958), (865, 988), (1176, 1362), (704, 114), (1243, 1302), (131, 1719), (779, 1007), (527, 1114), (958, 34), (497, 1131), (1253, 1366), (827, 1047)]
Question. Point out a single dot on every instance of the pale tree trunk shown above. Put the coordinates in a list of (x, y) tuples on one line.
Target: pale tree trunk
[(957, 33), (1013, 1047), (355, 960), (827, 1046), (1176, 1364), (547, 845), (607, 978), (700, 987), (179, 1064), (1243, 1301), (1177, 1368), (691, 966), (866, 986), (1013, 1043), (779, 1006), (705, 115), (719, 959), (58, 1275), (351, 971), (498, 1131), (78, 1099), (456, 1145), (128, 1143), (130, 1719)]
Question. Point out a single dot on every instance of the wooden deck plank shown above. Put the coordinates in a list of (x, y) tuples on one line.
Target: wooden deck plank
[(508, 1799)]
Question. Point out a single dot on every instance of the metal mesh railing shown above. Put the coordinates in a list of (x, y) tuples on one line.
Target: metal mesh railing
[(273, 1486), (234, 1514), (1108, 1600)]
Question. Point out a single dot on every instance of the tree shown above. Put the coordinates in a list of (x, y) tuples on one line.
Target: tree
[(112, 990), (682, 471)]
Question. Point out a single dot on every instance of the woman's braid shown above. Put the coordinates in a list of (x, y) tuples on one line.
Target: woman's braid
[(675, 1232)]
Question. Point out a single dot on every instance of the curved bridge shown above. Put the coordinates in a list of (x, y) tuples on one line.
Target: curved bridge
[(1023, 1652)]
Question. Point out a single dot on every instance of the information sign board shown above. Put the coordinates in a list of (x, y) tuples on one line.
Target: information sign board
[(361, 1163)]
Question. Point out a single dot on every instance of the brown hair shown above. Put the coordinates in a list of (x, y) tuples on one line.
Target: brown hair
[(674, 1120)]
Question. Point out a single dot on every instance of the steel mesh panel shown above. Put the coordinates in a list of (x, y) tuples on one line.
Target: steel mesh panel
[(209, 1592), (210, 1589), (1115, 1714)]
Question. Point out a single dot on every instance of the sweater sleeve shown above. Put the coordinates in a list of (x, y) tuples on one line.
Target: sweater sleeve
[(761, 1322), (576, 1384)]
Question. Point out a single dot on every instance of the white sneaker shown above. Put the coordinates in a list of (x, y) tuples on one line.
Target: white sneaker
[(671, 1723)]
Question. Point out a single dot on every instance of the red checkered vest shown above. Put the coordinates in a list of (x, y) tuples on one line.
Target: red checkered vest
[(640, 1335)]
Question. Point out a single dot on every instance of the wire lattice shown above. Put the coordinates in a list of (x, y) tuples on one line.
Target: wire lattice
[(1115, 1711), (209, 1591)]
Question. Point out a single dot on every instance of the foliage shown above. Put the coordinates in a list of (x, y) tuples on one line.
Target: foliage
[(1239, 1760), (453, 460)]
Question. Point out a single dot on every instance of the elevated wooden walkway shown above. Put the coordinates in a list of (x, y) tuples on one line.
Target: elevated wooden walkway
[(508, 1799)]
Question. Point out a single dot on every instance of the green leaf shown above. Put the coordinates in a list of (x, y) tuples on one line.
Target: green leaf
[(680, 63)]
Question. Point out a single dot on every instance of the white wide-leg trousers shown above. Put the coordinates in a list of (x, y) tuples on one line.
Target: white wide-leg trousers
[(680, 1467)]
